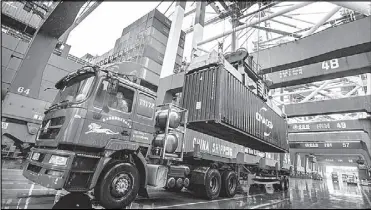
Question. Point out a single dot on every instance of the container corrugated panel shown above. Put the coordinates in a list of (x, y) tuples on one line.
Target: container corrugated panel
[(210, 145), (161, 37), (150, 64), (161, 17), (159, 26), (15, 10), (222, 106), (150, 77), (153, 54)]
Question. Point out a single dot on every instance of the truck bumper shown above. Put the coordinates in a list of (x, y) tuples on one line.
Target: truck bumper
[(48, 175)]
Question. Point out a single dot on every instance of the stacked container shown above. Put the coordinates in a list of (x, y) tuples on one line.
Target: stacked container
[(144, 42), (14, 10)]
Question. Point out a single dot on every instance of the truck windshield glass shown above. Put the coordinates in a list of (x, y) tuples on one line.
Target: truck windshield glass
[(76, 89)]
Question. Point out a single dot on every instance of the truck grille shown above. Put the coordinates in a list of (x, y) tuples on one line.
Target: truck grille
[(51, 127)]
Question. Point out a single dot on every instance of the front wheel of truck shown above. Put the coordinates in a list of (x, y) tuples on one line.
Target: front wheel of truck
[(118, 186)]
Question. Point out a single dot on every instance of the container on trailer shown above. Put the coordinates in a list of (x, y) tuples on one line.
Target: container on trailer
[(220, 105)]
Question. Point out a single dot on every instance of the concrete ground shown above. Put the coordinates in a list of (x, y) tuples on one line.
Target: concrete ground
[(19, 193)]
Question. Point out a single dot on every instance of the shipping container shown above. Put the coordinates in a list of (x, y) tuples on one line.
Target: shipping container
[(14, 9), (210, 145), (161, 17), (220, 105)]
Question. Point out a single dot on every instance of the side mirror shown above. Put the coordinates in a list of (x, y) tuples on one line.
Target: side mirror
[(112, 87), (105, 108)]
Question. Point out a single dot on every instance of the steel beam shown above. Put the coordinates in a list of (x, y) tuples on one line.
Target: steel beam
[(335, 68), (287, 56), (359, 152), (297, 6), (361, 7), (173, 40), (199, 24), (29, 75), (340, 125), (322, 21), (276, 31), (333, 106), (368, 84)]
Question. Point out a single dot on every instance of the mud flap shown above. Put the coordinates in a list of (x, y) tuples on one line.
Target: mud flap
[(143, 192)]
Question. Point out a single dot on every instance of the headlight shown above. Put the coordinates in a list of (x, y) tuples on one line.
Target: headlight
[(35, 156), (58, 160)]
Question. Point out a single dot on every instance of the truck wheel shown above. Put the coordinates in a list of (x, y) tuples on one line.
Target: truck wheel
[(229, 184), (118, 187), (282, 185), (212, 185), (286, 184)]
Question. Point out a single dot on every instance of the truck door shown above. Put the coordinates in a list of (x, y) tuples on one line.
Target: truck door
[(117, 122), (143, 118)]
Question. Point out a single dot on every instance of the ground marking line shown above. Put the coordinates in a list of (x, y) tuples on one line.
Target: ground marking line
[(269, 204), (29, 194), (202, 202), (368, 200)]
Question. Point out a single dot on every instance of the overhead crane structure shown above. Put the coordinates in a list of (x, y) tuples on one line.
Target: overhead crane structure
[(280, 63), (306, 60)]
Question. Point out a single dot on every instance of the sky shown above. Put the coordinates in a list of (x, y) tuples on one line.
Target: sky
[(98, 32)]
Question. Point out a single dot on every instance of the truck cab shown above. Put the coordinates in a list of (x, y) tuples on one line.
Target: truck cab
[(98, 133)]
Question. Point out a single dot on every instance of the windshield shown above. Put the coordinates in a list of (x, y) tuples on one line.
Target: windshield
[(76, 89)]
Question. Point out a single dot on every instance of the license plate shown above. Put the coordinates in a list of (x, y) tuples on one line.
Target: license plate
[(35, 156), (4, 125)]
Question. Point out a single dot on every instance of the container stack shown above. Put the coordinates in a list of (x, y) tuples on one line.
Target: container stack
[(144, 42), (21, 12)]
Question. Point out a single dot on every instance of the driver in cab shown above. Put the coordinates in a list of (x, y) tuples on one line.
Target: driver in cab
[(120, 103)]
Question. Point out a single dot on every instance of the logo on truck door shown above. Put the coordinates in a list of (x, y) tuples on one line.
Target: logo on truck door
[(265, 121), (95, 128)]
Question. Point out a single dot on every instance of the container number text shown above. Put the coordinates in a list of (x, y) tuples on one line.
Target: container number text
[(341, 125), (23, 90), (345, 144), (332, 64)]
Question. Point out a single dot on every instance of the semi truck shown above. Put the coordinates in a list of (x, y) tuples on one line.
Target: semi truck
[(104, 133)]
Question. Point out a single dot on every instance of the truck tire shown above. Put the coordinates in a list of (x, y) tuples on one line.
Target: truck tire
[(118, 186), (213, 183), (229, 184), (282, 185), (287, 184)]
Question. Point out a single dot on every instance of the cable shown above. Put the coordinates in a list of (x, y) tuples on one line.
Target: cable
[(159, 4), (169, 7)]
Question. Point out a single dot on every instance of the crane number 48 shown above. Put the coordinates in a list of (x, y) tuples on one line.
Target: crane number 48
[(332, 64)]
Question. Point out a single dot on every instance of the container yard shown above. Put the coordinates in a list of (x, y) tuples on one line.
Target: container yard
[(183, 104)]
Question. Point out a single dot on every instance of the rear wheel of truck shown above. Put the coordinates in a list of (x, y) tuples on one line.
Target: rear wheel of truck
[(282, 184), (287, 184), (213, 183), (229, 184), (118, 187)]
